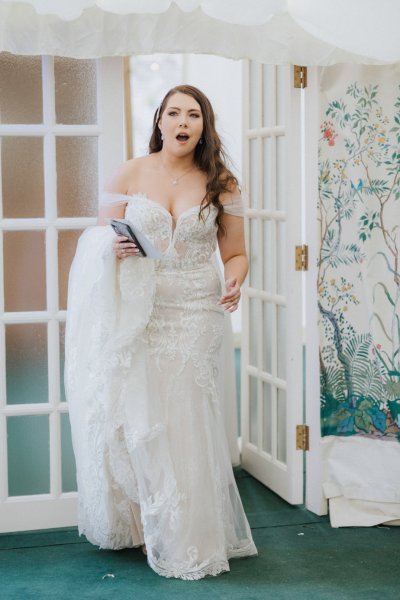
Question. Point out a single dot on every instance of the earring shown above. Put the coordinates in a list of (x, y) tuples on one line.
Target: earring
[(200, 140), (162, 137)]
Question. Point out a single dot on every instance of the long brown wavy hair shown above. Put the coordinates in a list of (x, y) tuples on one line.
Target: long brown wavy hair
[(210, 156)]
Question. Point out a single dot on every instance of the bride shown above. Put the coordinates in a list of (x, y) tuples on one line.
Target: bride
[(144, 352)]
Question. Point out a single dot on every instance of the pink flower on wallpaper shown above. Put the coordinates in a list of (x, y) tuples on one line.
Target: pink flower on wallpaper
[(328, 132)]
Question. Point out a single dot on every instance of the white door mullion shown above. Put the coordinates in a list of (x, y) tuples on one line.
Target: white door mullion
[(3, 391), (18, 410), (53, 361), (40, 316), (1, 217), (315, 499), (260, 404), (48, 91), (23, 130), (260, 249), (266, 296), (25, 224), (49, 117), (3, 419), (260, 244), (244, 390), (274, 422), (260, 95), (273, 96), (67, 223), (266, 377), (55, 454), (278, 215), (76, 130), (274, 393), (274, 275), (3, 386), (42, 130), (54, 416), (50, 188), (3, 459), (265, 132), (52, 305), (1, 272), (50, 171)]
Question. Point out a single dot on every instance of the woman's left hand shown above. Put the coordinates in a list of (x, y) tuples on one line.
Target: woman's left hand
[(230, 299)]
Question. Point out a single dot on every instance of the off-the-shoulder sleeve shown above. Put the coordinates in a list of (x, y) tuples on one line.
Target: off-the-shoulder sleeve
[(111, 199), (234, 206)]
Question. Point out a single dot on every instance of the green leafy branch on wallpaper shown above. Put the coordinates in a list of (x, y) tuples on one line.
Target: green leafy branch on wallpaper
[(356, 397)]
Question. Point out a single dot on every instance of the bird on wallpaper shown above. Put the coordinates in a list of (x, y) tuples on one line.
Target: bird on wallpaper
[(359, 187)]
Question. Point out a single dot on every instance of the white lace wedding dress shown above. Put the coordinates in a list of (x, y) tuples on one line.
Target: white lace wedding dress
[(143, 381)]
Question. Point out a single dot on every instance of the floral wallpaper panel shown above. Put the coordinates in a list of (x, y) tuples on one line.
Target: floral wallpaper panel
[(359, 268)]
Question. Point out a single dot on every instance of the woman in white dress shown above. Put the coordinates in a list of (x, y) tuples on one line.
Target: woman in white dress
[(144, 353)]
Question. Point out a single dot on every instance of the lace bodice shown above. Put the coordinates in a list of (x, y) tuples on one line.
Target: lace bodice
[(188, 240)]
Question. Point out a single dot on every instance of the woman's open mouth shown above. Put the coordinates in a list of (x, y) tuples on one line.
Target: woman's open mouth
[(182, 138)]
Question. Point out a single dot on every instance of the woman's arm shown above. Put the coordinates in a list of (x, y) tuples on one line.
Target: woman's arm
[(110, 212), (233, 253), (119, 184)]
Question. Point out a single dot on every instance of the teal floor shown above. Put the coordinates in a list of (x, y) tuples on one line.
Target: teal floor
[(300, 557)]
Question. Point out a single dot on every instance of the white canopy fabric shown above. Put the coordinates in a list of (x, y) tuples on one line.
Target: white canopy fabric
[(306, 32)]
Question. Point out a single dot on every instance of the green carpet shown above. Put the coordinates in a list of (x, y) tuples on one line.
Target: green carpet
[(300, 557)]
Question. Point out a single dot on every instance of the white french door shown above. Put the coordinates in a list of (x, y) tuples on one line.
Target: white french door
[(61, 133), (272, 346)]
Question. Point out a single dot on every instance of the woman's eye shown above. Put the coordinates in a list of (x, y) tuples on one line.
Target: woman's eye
[(172, 113)]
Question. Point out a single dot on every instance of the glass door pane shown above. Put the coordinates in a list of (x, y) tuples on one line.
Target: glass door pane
[(22, 177), (21, 97)]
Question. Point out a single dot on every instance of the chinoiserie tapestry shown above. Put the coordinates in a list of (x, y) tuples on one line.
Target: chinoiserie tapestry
[(359, 268)]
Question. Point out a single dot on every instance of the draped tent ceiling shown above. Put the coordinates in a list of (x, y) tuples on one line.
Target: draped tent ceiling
[(306, 32)]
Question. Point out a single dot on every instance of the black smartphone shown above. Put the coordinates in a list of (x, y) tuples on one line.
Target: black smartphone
[(122, 228)]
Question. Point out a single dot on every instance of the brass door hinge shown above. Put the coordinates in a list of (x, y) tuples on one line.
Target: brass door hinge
[(302, 437), (302, 258), (299, 77)]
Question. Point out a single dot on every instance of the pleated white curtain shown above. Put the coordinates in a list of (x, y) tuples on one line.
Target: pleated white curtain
[(307, 32)]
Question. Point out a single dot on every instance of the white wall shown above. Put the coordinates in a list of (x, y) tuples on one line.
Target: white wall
[(221, 80)]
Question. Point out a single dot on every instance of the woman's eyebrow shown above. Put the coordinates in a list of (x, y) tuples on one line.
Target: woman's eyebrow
[(177, 108)]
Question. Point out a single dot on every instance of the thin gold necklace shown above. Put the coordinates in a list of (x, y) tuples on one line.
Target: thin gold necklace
[(175, 180)]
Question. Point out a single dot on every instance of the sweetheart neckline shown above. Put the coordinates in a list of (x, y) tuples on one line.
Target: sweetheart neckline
[(162, 207)]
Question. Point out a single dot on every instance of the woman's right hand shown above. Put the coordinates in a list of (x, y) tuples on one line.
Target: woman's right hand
[(124, 247)]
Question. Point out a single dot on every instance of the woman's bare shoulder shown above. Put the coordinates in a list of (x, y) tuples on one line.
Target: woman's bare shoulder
[(127, 174), (232, 191)]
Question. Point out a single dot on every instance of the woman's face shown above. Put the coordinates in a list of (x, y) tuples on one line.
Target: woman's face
[(181, 124)]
